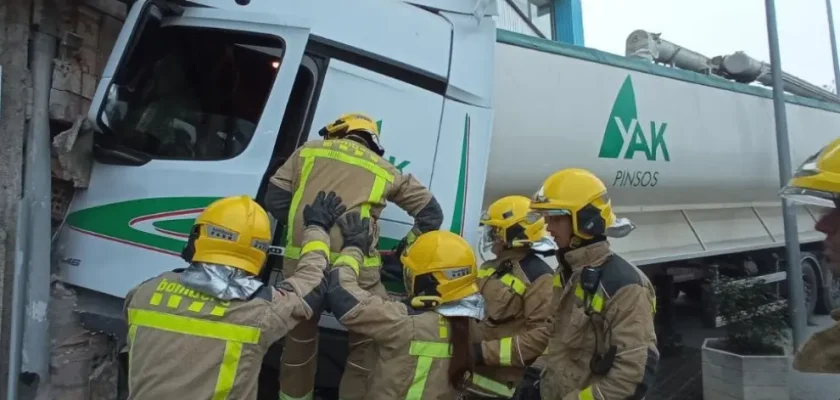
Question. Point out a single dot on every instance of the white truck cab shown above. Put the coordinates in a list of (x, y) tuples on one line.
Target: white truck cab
[(206, 99)]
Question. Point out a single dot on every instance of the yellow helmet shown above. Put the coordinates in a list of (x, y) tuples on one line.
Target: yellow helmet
[(511, 220), (355, 123), (580, 194), (817, 180), (440, 267), (233, 231)]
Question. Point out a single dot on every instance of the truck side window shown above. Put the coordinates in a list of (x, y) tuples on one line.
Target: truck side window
[(192, 94)]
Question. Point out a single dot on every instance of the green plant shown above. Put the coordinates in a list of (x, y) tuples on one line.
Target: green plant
[(755, 323)]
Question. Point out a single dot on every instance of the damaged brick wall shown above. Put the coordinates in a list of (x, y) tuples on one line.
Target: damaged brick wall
[(14, 35), (83, 363), (88, 29)]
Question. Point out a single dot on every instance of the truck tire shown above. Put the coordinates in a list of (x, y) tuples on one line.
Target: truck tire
[(811, 285), (829, 293)]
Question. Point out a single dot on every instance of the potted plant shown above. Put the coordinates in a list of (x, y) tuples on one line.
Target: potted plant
[(750, 361)]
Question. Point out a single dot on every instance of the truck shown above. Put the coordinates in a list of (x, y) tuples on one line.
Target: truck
[(204, 99)]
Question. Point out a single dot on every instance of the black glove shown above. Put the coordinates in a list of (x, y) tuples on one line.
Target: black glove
[(323, 211), (356, 231), (529, 387)]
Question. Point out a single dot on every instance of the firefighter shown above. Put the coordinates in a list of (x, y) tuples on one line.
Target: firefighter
[(604, 346), (517, 290), (202, 332), (817, 182), (350, 163), (424, 344)]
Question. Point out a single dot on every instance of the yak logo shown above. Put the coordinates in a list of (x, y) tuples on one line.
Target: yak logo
[(625, 134)]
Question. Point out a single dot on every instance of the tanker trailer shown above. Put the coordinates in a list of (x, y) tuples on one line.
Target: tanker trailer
[(690, 158)]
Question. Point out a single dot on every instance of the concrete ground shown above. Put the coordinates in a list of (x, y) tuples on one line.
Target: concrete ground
[(679, 377), (815, 386), (802, 386)]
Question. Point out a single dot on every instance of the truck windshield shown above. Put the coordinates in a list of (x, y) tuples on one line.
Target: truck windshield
[(191, 93)]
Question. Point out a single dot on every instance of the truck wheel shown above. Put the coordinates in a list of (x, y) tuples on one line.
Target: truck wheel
[(811, 286), (829, 294)]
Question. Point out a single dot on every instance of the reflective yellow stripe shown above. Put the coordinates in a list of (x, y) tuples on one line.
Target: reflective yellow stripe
[(429, 349), (492, 386), (227, 371), (411, 236), (515, 283), (597, 299), (556, 281), (194, 326), (369, 165), (598, 302), (426, 352), (443, 328), (508, 279), (174, 301), (308, 162), (586, 394), (375, 196), (196, 306), (348, 261), (369, 262), (156, 298), (132, 332), (315, 245), (418, 384), (218, 311), (505, 350)]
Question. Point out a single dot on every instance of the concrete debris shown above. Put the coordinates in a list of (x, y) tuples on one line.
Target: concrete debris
[(73, 153), (83, 364)]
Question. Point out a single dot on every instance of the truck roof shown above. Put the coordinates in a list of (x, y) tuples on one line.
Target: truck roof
[(602, 57)]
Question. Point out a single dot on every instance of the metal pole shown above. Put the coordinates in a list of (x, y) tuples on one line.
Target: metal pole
[(37, 191), (796, 296), (18, 304), (833, 47)]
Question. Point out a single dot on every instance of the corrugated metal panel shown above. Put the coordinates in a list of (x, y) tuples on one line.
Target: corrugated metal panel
[(510, 20)]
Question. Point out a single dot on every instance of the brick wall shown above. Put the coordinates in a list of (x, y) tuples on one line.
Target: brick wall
[(83, 363), (89, 29)]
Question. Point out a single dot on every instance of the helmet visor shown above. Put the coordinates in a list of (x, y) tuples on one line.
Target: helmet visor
[(810, 196), (621, 228), (550, 213)]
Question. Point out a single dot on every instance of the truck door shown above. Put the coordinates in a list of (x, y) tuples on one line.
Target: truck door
[(188, 111)]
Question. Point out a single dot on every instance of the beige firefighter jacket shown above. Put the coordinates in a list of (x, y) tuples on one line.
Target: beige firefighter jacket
[(517, 290), (821, 353), (624, 303), (362, 179), (186, 345), (413, 345)]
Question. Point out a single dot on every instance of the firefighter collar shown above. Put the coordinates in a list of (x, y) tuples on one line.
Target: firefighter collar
[(220, 281), (592, 255), (471, 306)]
